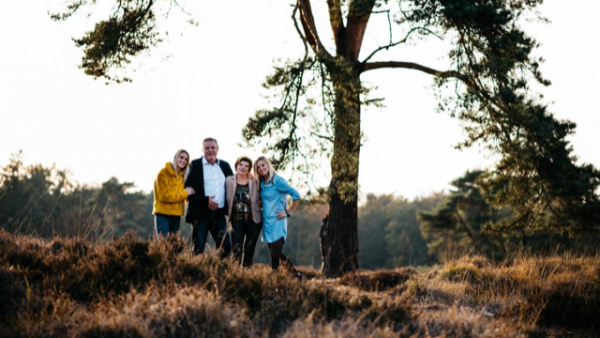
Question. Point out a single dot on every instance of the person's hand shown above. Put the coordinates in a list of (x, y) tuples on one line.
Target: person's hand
[(190, 191), (281, 214), (212, 204)]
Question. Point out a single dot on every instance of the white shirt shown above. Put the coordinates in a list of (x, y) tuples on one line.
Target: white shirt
[(214, 181)]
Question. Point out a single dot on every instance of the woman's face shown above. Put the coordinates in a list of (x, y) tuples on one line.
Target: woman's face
[(242, 168), (262, 168), (182, 161)]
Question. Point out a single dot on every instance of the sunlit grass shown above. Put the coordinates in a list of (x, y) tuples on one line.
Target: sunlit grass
[(131, 287)]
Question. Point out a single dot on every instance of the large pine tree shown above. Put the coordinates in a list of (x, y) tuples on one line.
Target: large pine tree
[(490, 67)]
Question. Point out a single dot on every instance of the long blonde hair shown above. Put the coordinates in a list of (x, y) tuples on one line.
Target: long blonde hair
[(186, 171), (271, 174)]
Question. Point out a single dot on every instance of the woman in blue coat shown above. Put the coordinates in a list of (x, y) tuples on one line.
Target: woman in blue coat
[(273, 193)]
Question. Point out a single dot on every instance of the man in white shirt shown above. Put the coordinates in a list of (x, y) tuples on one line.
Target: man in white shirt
[(206, 210)]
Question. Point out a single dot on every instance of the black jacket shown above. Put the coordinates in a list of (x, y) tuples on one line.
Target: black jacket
[(198, 203)]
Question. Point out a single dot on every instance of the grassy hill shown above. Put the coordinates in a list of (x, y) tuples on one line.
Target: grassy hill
[(137, 288)]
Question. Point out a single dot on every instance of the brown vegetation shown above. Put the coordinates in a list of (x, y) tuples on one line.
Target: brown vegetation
[(137, 288)]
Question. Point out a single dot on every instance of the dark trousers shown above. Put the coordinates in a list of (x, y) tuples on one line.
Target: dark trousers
[(166, 224), (245, 235), (214, 223), (278, 257)]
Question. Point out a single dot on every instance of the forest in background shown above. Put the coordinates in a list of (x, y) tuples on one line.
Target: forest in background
[(393, 231)]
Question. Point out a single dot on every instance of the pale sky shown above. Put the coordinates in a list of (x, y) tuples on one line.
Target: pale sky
[(207, 82)]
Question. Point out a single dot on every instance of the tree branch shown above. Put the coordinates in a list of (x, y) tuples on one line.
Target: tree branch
[(72, 8), (302, 37), (336, 21), (390, 45), (324, 137), (465, 226), (411, 65), (310, 29), (358, 17), (387, 12)]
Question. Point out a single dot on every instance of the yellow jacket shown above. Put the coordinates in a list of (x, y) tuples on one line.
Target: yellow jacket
[(169, 194)]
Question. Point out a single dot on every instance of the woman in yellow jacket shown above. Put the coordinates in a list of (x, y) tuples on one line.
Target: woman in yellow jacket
[(170, 195)]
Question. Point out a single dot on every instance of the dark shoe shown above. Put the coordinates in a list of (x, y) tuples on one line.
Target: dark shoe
[(300, 276)]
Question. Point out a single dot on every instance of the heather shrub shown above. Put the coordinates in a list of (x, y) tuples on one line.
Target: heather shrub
[(380, 280), (553, 292), (130, 287), (13, 291)]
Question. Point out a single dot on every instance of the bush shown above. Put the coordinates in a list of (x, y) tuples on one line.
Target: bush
[(130, 287)]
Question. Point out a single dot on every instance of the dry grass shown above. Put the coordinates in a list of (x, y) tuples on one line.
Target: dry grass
[(536, 293), (137, 288)]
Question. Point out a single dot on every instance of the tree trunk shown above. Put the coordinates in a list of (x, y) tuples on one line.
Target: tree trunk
[(339, 237)]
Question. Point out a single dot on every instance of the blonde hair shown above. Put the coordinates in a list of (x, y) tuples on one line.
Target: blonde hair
[(186, 171), (271, 174)]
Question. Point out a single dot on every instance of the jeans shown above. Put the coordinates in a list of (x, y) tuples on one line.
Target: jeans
[(245, 235), (214, 223), (166, 224)]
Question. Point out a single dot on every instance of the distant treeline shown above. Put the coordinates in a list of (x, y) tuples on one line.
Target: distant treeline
[(392, 232)]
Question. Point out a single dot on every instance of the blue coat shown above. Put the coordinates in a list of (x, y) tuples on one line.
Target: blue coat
[(273, 195)]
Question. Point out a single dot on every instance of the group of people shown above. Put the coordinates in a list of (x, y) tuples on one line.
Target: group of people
[(252, 203)]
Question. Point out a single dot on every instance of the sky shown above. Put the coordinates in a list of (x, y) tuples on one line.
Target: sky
[(205, 81)]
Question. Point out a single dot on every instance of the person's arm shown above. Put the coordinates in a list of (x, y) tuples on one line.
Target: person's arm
[(283, 187), (194, 182), (256, 183), (167, 193), (229, 192), (292, 207), (227, 172), (227, 169)]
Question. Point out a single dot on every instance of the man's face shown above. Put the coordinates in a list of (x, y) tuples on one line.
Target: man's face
[(210, 151)]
